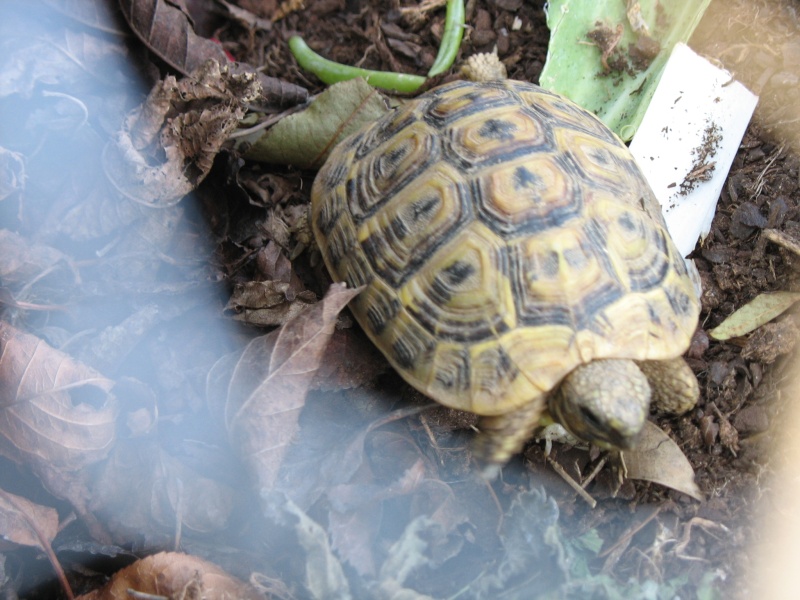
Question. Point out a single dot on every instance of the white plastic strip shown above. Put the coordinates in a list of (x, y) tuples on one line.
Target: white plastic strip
[(688, 139)]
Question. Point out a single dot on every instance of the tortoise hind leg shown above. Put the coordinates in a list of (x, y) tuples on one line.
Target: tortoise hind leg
[(503, 436), (673, 384)]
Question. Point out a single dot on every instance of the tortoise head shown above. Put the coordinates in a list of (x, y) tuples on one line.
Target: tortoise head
[(604, 402)]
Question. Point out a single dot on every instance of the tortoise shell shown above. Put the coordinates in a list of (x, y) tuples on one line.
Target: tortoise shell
[(504, 236)]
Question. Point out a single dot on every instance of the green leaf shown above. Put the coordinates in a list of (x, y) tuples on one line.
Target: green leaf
[(591, 540), (574, 68), (325, 576), (306, 138), (762, 309), (708, 588)]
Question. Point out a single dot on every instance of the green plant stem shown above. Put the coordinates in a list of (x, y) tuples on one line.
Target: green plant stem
[(332, 72), (451, 38)]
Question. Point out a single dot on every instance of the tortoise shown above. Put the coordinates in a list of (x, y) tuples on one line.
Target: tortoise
[(515, 263)]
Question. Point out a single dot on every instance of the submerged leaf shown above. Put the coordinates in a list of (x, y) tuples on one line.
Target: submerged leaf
[(22, 261), (142, 490), (408, 554), (762, 309), (532, 544)]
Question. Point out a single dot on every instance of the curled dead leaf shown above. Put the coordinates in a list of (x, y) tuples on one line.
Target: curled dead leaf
[(268, 303), (174, 575), (166, 28), (185, 122)]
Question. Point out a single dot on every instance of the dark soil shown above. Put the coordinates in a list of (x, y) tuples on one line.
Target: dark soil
[(364, 495)]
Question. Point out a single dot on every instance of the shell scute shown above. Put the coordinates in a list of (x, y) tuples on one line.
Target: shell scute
[(527, 196), (502, 134), (462, 293)]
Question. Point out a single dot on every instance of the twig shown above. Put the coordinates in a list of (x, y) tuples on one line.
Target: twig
[(595, 471), (572, 483), (633, 530), (780, 238)]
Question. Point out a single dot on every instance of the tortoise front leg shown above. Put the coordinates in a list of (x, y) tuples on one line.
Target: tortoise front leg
[(503, 436), (674, 388)]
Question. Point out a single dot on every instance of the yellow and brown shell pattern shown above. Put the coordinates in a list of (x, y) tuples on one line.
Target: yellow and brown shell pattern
[(502, 236)]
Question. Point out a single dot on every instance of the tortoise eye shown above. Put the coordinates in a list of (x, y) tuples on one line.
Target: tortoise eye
[(590, 420)]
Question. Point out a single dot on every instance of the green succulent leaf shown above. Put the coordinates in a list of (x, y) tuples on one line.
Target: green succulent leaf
[(620, 90)]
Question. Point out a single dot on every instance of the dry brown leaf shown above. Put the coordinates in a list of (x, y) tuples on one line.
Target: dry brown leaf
[(168, 32), (142, 490), (269, 382), (286, 8), (658, 459), (51, 412), (273, 264), (185, 123), (350, 361), (22, 261), (26, 523), (268, 303), (772, 340), (274, 301), (56, 416), (174, 576), (243, 15), (20, 518)]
